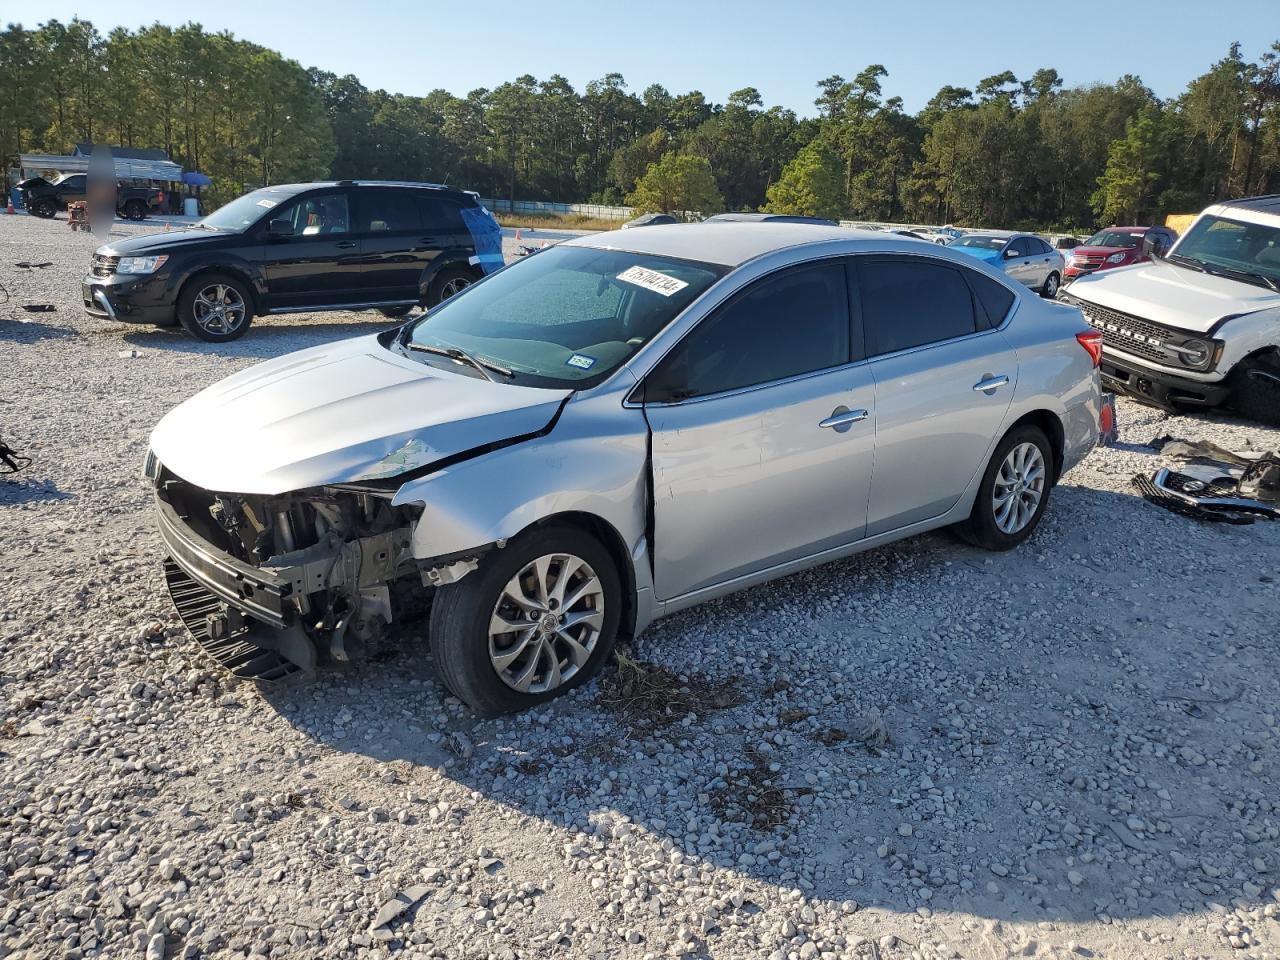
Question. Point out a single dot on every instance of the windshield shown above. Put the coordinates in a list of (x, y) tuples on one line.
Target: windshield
[(1115, 238), (566, 316), (244, 212), (985, 243), (1244, 251)]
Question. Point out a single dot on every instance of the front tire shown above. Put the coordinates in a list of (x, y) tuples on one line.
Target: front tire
[(1013, 493), (395, 313), (135, 210), (1255, 389), (44, 209), (215, 308), (537, 619), (1050, 289)]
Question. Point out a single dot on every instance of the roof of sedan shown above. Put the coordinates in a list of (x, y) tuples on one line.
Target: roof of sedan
[(733, 243)]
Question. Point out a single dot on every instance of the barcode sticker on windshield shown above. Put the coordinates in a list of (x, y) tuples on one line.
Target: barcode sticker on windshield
[(652, 280), (267, 203)]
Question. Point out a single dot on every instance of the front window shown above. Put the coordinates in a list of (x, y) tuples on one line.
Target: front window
[(244, 212), (565, 317), (982, 243), (1249, 252), (1115, 238)]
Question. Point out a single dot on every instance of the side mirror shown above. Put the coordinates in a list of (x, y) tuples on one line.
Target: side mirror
[(280, 228), (1152, 247), (1010, 254)]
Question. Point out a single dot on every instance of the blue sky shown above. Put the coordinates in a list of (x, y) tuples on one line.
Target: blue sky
[(781, 48)]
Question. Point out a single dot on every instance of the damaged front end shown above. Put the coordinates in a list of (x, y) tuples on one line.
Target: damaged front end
[(272, 585)]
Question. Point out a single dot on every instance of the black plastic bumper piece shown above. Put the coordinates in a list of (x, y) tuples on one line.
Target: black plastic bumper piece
[(1160, 389), (259, 593)]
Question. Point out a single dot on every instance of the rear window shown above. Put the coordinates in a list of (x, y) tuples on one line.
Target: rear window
[(439, 212), (912, 303)]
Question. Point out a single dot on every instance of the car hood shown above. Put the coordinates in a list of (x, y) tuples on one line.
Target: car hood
[(339, 413), (1173, 296), (978, 253), (1101, 251), (154, 242)]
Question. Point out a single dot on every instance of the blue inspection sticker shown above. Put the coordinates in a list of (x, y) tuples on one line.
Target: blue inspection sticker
[(581, 361)]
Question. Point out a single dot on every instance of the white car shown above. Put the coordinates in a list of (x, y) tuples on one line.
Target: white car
[(1200, 326)]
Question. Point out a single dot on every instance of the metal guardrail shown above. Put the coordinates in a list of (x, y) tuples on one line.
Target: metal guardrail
[(597, 210)]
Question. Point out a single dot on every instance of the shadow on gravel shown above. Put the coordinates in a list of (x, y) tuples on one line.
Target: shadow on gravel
[(922, 728), (21, 330), (13, 492), (265, 341)]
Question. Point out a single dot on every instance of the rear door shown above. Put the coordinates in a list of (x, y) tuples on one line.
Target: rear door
[(317, 265), (763, 426), (943, 383), (394, 243)]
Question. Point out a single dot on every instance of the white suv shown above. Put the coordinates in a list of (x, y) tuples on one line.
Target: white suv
[(1199, 326)]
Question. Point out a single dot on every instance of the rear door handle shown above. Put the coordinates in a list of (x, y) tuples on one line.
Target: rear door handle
[(345, 244), (431, 241), (842, 418), (990, 384)]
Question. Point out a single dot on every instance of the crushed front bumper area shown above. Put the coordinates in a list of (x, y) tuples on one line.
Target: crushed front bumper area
[(1160, 389), (299, 604)]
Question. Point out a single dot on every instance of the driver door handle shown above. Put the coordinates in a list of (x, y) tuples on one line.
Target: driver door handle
[(345, 244), (990, 384), (843, 418)]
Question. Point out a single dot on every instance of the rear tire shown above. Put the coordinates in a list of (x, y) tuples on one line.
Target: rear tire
[(215, 308), (1255, 389), (448, 282), (473, 660), (135, 210), (1051, 283), (1007, 485)]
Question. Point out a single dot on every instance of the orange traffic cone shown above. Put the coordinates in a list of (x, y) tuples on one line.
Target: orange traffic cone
[(8, 208), (517, 233)]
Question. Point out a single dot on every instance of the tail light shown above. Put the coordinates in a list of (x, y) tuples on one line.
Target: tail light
[(1091, 340)]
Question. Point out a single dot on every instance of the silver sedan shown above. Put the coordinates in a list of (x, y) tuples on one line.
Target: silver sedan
[(1024, 257), (621, 427)]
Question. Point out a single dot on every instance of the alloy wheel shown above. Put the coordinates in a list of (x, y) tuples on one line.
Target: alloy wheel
[(454, 286), (219, 309), (1019, 488), (1051, 286), (546, 623)]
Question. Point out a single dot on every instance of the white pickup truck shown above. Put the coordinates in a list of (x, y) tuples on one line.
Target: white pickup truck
[(1199, 326)]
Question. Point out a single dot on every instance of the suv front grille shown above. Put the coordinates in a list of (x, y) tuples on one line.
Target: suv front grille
[(104, 266), (1126, 332)]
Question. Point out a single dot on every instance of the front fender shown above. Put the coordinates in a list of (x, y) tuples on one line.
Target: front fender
[(218, 261), (594, 461)]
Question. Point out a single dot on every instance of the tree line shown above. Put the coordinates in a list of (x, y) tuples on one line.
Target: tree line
[(1024, 153)]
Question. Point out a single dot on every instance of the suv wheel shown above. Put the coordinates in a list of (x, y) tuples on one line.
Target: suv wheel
[(395, 313), (135, 210), (44, 209), (1013, 493), (1255, 388), (1050, 288), (536, 619), (216, 308), (448, 282)]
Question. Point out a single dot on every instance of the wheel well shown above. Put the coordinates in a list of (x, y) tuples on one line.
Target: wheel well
[(1051, 426), (612, 541), (227, 271), (1272, 353)]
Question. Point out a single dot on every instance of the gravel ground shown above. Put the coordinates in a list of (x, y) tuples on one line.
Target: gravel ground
[(925, 751)]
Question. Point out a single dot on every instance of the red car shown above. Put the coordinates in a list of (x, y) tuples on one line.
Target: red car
[(1114, 247)]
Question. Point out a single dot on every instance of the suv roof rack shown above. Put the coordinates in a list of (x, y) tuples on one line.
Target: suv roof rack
[(397, 183), (1263, 200)]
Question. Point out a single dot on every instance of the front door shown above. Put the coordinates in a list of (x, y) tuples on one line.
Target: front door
[(763, 426), (943, 384), (1017, 261), (317, 264)]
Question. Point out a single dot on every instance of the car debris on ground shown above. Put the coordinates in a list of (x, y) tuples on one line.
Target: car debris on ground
[(1215, 484)]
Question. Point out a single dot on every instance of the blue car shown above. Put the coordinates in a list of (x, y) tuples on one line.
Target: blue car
[(1023, 256)]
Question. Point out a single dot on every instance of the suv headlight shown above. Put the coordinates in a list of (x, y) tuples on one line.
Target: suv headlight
[(140, 264), (1197, 354), (1117, 258)]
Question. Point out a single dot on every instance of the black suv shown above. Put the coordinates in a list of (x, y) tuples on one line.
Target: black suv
[(303, 247)]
